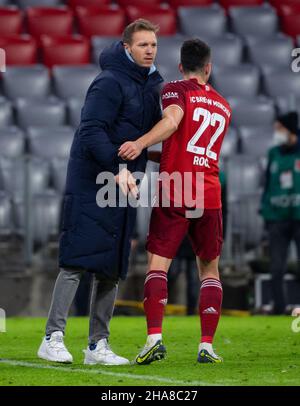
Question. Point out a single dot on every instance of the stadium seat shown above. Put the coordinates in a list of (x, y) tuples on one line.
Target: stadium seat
[(74, 111), (164, 17), (288, 103), (247, 224), (168, 51), (29, 82), (38, 131), (12, 172), (6, 114), (100, 21), (11, 21), (45, 216), (20, 49), (55, 144), (189, 3), (230, 144), (254, 112), (290, 24), (226, 50), (243, 175), (271, 52), (202, 21), (49, 112), (12, 143), (87, 3), (286, 7), (73, 81), (59, 172), (279, 3), (65, 50), (6, 227), (99, 43), (241, 80), (37, 3), (254, 21), (125, 3), (282, 82), (240, 3), (256, 140), (11, 131), (54, 21), (169, 73)]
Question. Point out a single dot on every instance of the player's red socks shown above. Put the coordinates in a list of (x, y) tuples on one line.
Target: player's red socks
[(155, 299), (210, 304)]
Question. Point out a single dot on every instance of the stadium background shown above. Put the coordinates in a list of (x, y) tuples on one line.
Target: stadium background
[(52, 49)]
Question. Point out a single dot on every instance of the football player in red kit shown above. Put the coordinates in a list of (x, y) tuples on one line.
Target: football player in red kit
[(195, 120)]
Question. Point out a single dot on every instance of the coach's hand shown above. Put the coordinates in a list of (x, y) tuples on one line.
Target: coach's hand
[(127, 183), (130, 150)]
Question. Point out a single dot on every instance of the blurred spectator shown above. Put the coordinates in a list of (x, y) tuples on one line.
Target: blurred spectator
[(281, 202)]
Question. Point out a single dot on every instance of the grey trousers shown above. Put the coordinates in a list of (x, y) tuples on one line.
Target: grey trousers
[(102, 303)]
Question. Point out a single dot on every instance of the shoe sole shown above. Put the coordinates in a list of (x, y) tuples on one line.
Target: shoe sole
[(92, 362), (89, 361), (46, 357), (207, 359), (158, 355)]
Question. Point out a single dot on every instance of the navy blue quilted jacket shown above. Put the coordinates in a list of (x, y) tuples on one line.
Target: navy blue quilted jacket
[(121, 104)]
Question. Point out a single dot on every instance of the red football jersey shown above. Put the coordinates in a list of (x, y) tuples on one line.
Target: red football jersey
[(193, 150)]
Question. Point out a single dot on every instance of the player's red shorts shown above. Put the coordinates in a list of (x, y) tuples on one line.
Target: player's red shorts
[(169, 225)]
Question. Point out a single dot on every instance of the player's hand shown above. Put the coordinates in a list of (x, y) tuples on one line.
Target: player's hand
[(127, 183), (130, 150)]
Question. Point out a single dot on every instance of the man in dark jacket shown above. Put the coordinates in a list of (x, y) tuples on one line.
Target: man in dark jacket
[(122, 102), (281, 202)]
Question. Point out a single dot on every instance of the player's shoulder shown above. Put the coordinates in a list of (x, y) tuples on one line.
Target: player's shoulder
[(217, 96), (177, 85)]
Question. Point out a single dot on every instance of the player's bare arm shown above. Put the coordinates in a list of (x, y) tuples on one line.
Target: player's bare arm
[(172, 117)]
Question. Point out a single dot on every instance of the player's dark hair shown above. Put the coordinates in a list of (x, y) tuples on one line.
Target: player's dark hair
[(194, 55), (138, 25)]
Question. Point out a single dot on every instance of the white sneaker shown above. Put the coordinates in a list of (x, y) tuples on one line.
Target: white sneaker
[(54, 349), (103, 354)]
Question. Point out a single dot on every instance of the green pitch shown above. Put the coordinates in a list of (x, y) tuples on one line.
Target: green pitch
[(256, 351)]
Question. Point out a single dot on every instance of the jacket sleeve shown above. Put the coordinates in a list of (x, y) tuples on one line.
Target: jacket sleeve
[(100, 110)]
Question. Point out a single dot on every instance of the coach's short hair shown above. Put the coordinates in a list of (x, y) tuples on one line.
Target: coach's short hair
[(138, 25), (194, 55)]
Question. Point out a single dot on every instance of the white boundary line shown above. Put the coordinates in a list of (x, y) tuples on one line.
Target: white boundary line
[(108, 373)]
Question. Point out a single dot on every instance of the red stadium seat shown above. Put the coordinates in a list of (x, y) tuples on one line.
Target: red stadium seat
[(289, 9), (235, 3), (187, 3), (291, 24), (101, 21), (54, 21), (11, 21), (88, 3), (164, 17), (65, 50), (20, 50), (286, 7), (150, 3)]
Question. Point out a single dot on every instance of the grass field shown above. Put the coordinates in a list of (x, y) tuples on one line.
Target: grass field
[(256, 351)]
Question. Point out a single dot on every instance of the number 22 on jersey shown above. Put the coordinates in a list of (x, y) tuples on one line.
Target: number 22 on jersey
[(214, 120)]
